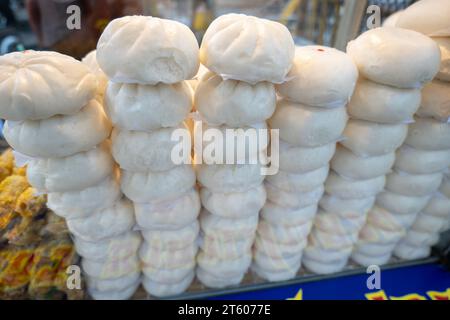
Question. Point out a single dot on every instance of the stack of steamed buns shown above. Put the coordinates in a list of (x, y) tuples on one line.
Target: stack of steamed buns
[(311, 117), (395, 63), (246, 56), (148, 61), (54, 118), (426, 154)]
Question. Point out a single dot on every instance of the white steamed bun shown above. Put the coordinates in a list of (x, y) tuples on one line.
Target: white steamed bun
[(234, 103), (147, 50), (145, 108), (37, 85), (305, 126), (395, 57), (385, 104), (72, 173), (435, 101), (321, 77), (59, 136), (247, 48), (429, 134)]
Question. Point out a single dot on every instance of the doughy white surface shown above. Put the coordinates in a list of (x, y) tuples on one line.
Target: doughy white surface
[(111, 269), (429, 17), (141, 151), (305, 126), (294, 200), (402, 204), (105, 223), (349, 165), (416, 161), (303, 182), (108, 250), (306, 159), (37, 85), (162, 290), (396, 57), (275, 214), (234, 103), (229, 178), (429, 134), (413, 184), (78, 204), (435, 101), (147, 50), (385, 104), (368, 139), (247, 48), (345, 188), (234, 204), (76, 172), (346, 207), (150, 186), (146, 108), (320, 77), (59, 136), (170, 214), (172, 239)]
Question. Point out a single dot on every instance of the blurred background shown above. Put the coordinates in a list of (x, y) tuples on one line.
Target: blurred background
[(41, 24)]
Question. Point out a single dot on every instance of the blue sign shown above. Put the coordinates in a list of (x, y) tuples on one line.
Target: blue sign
[(421, 282)]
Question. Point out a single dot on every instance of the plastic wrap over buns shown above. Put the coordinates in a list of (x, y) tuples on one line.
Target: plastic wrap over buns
[(37, 85), (145, 108), (59, 136), (385, 104), (147, 50), (77, 172), (430, 17), (234, 103), (396, 57), (321, 77), (247, 48)]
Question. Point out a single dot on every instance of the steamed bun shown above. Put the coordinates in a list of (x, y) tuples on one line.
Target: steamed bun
[(234, 204), (77, 172), (112, 249), (105, 223), (306, 159), (145, 108), (349, 165), (247, 48), (413, 184), (366, 139), (59, 136), (234, 103), (305, 126), (303, 182), (147, 50), (435, 101), (395, 57), (402, 204), (430, 17), (379, 103), (321, 77), (429, 134), (82, 203), (418, 161), (168, 214), (38, 85), (345, 188), (143, 187), (141, 151)]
